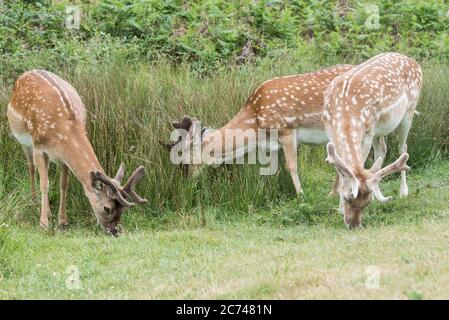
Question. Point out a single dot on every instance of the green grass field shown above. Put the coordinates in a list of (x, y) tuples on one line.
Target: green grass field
[(231, 233), (293, 251)]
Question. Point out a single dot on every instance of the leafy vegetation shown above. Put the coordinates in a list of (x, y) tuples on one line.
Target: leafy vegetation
[(210, 34)]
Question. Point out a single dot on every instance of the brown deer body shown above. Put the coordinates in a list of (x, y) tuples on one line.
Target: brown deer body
[(360, 108), (292, 105), (47, 117)]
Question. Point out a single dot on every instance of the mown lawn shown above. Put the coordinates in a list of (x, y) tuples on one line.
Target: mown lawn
[(291, 251)]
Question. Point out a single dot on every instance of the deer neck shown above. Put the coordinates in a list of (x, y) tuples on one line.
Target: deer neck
[(82, 160), (234, 139)]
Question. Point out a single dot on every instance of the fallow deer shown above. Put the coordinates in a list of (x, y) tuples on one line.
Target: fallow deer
[(360, 108), (292, 105), (47, 117)]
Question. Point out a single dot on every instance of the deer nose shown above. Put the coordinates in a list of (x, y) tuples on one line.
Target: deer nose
[(352, 224), (112, 231)]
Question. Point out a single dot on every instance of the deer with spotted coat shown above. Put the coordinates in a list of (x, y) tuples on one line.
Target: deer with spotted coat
[(292, 105), (47, 117), (361, 107)]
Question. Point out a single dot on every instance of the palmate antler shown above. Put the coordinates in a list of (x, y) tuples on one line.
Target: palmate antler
[(121, 193), (185, 123), (399, 165)]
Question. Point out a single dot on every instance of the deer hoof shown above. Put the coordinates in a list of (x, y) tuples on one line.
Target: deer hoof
[(300, 195), (403, 192), (43, 225)]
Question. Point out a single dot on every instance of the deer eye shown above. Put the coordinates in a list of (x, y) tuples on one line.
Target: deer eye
[(107, 210)]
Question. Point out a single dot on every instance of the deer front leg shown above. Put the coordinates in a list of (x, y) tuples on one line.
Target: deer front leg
[(288, 143), (64, 182), (380, 148), (403, 131), (41, 161)]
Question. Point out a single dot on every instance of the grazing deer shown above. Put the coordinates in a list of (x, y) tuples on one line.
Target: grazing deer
[(47, 117), (292, 105), (360, 108)]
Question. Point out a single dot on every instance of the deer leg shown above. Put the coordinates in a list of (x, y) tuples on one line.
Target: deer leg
[(403, 131), (288, 143), (64, 182), (31, 169), (366, 147), (41, 161), (380, 148)]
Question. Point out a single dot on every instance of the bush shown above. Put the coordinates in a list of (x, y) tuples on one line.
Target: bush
[(209, 34)]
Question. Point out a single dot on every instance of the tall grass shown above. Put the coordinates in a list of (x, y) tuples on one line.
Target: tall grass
[(130, 108)]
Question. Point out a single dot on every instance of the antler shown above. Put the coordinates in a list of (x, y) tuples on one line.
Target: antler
[(120, 173), (115, 185), (185, 123), (170, 145), (132, 181), (342, 169), (399, 165)]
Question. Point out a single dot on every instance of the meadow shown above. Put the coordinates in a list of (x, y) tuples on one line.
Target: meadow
[(230, 233), (206, 238)]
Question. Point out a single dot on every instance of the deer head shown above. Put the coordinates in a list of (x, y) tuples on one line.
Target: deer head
[(193, 134), (357, 190), (110, 198)]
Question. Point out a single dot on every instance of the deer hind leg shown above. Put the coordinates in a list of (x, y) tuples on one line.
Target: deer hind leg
[(31, 169), (41, 161), (289, 145), (64, 183), (403, 130), (380, 148)]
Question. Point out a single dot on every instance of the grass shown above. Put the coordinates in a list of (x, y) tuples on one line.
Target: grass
[(130, 112), (295, 251), (258, 240)]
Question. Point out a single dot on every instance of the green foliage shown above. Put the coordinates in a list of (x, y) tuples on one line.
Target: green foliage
[(212, 33)]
